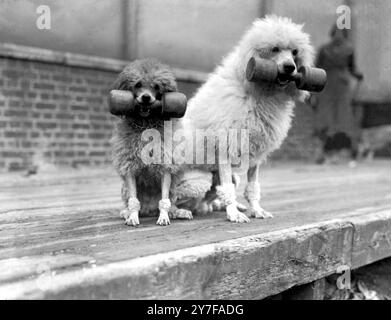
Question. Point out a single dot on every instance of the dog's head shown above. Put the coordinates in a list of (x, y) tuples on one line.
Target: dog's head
[(148, 80), (280, 40)]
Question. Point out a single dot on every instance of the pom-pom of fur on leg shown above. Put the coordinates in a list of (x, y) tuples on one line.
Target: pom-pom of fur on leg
[(131, 212), (164, 207), (227, 195), (165, 204), (253, 194), (218, 205)]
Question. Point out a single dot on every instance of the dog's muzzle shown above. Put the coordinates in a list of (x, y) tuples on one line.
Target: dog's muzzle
[(285, 73)]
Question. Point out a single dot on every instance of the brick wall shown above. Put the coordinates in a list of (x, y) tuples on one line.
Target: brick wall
[(52, 114), (53, 109)]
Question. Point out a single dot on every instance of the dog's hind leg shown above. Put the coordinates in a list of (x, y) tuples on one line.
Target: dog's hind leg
[(253, 194)]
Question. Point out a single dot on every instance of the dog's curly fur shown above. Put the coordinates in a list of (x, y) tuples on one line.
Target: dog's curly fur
[(127, 145), (226, 101), (127, 142), (229, 101)]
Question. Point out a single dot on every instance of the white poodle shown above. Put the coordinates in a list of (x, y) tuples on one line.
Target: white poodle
[(227, 101)]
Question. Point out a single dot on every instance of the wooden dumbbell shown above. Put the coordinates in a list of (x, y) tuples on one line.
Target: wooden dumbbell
[(307, 78), (172, 104)]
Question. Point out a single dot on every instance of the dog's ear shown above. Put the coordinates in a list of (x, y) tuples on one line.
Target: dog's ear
[(127, 77), (170, 86), (124, 80), (166, 79), (119, 83)]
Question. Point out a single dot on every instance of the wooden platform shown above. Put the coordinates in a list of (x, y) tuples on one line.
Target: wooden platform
[(61, 237)]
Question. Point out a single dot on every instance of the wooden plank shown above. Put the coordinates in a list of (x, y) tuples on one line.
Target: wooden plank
[(72, 227), (372, 238), (64, 230), (27, 232), (249, 267)]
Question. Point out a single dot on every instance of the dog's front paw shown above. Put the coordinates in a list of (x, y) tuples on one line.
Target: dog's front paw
[(164, 208), (234, 215), (259, 213), (182, 214), (217, 205), (163, 219), (131, 217)]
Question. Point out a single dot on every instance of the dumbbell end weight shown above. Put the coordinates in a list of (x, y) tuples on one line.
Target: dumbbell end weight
[(250, 70), (174, 105), (259, 69), (311, 79), (121, 102)]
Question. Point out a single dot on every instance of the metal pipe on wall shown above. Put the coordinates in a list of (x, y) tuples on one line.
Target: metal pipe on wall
[(129, 29), (265, 8)]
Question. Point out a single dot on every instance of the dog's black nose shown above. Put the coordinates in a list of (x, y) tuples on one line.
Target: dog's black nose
[(289, 68), (146, 98)]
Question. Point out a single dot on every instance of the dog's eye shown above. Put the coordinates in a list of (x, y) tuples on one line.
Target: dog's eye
[(295, 52), (275, 49), (156, 87), (138, 85)]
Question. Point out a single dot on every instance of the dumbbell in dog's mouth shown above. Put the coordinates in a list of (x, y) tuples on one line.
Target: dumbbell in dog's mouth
[(162, 106), (146, 104), (267, 71), (286, 72)]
